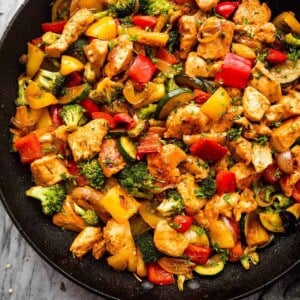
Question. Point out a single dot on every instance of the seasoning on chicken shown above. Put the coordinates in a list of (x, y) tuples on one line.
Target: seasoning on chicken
[(261, 156), (96, 52), (245, 175)]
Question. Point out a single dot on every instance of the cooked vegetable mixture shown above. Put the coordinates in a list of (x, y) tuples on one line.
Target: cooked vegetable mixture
[(165, 134)]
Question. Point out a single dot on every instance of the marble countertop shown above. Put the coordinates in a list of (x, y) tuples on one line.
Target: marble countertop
[(22, 270)]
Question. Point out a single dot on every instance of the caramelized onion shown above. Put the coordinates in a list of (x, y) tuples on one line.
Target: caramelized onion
[(285, 162), (176, 265)]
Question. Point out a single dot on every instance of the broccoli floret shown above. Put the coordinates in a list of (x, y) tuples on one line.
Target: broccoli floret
[(137, 180), (106, 91), (146, 245), (173, 41), (88, 215), (207, 187), (171, 85), (51, 82), (121, 8), (51, 197), (76, 50), (147, 112), (92, 171), (154, 7), (73, 115), (172, 205), (23, 82)]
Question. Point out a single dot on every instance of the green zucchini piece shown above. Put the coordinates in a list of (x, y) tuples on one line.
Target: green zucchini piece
[(115, 133), (212, 267), (271, 221), (75, 93), (195, 83), (286, 72), (173, 100), (127, 148)]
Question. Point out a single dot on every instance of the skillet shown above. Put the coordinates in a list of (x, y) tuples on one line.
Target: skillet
[(53, 244)]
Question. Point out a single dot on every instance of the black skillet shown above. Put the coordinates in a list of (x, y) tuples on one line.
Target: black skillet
[(53, 244)]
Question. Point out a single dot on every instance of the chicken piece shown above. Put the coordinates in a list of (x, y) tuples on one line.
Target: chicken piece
[(207, 5), (67, 217), (188, 119), (245, 175), (287, 182), (99, 249), (96, 52), (266, 83), (163, 165), (283, 137), (216, 37), (296, 157), (255, 104), (218, 137), (120, 57), (261, 156), (188, 29), (196, 166), (85, 241), (196, 66), (186, 188), (241, 149), (252, 12), (76, 25), (168, 241), (110, 159), (246, 204), (86, 141), (49, 170)]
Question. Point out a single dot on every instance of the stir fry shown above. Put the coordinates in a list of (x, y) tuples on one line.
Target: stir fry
[(165, 134)]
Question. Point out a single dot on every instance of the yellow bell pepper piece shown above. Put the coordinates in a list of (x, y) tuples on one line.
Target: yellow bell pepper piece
[(37, 98), (243, 51), (119, 204), (45, 119), (286, 21), (70, 64), (95, 5), (35, 57), (221, 235), (103, 29), (216, 106)]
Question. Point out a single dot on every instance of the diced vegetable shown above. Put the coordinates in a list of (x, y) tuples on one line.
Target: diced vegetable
[(198, 254), (157, 275), (127, 148), (144, 21), (212, 267), (56, 26), (34, 59), (276, 57), (182, 223), (75, 93), (226, 9), (225, 182), (69, 64), (103, 29), (271, 221)]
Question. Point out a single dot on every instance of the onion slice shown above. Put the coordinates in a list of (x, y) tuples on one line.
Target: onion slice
[(285, 162)]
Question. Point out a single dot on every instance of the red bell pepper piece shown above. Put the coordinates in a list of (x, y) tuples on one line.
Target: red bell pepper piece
[(182, 223), (226, 183), (296, 191), (201, 96), (168, 57), (150, 143), (73, 169), (90, 106), (226, 9), (37, 42), (198, 254), (55, 111), (208, 150), (74, 79), (102, 115), (56, 27), (29, 148), (235, 226), (276, 57), (235, 71), (157, 275), (142, 69), (144, 21), (271, 173), (125, 120), (235, 253)]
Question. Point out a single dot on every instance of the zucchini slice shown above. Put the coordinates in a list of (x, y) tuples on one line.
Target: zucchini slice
[(271, 221), (286, 72), (75, 93), (212, 267), (172, 101), (127, 148)]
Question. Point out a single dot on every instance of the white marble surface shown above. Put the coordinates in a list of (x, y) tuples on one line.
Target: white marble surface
[(25, 276)]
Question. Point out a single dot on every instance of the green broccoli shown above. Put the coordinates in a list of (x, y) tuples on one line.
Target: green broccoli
[(23, 82), (73, 115), (51, 197), (88, 215), (147, 112), (121, 8), (172, 205), (51, 82), (92, 171), (146, 245), (76, 50), (154, 7), (173, 41), (137, 180), (207, 187)]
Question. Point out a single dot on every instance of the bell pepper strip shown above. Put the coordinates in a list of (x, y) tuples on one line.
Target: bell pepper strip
[(150, 143), (271, 174), (225, 182), (276, 57), (157, 275), (70, 64), (208, 150), (235, 71), (125, 120), (182, 223), (55, 111), (56, 27), (166, 56), (296, 191), (29, 148), (73, 169), (104, 29), (90, 106), (226, 9), (201, 96), (236, 229), (235, 253), (144, 21), (287, 21), (102, 115), (142, 69), (198, 254), (37, 42), (74, 79), (290, 39), (35, 57)]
